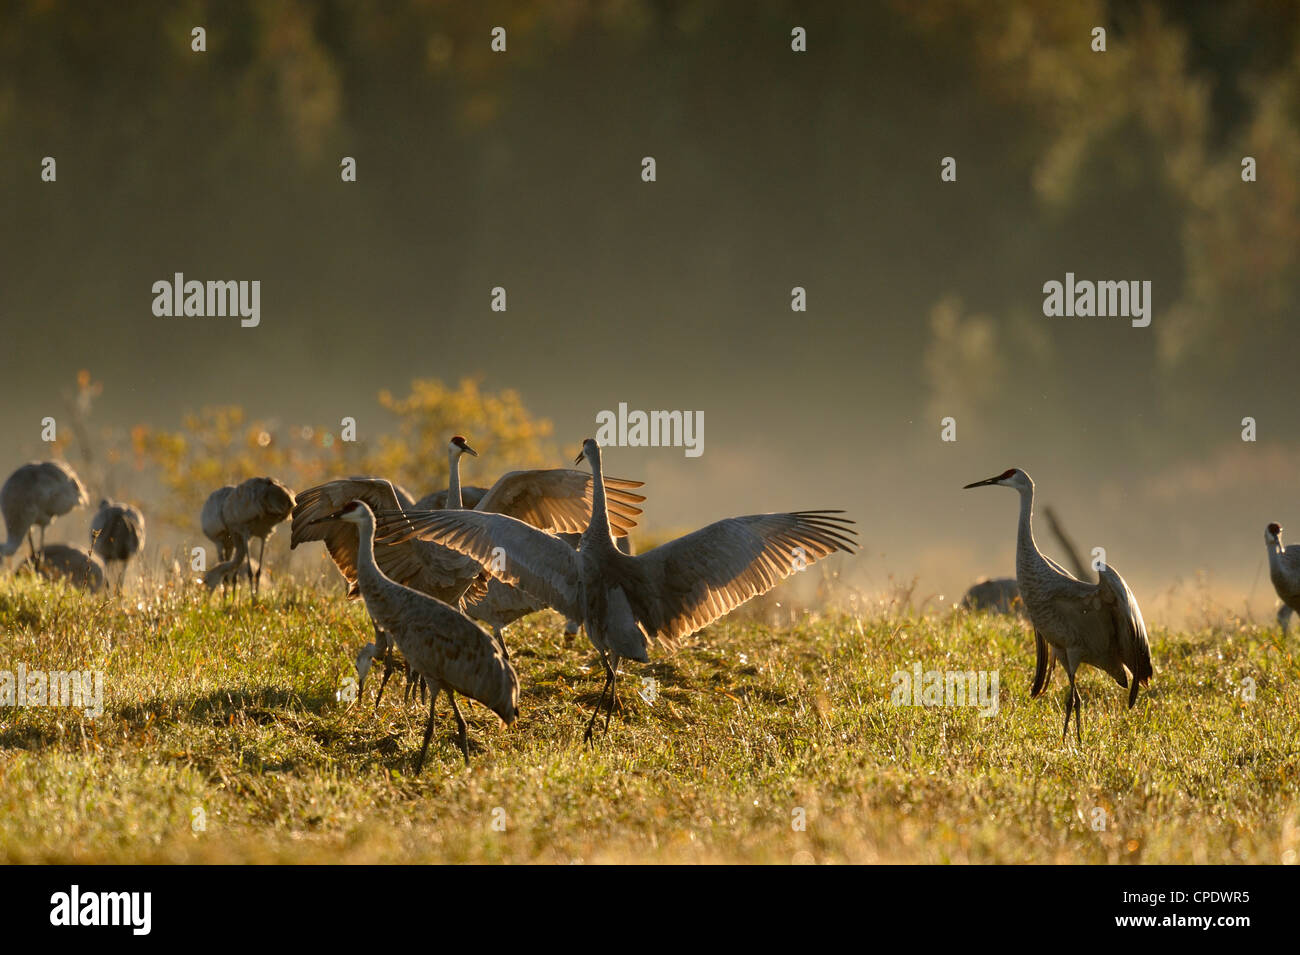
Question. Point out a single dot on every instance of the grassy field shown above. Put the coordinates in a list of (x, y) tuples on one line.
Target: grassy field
[(235, 712)]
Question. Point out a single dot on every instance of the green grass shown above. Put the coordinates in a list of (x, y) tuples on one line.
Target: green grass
[(234, 711)]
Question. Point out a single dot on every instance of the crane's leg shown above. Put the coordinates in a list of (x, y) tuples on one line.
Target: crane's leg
[(460, 724), (1069, 703), (386, 648), (42, 543), (261, 555), (613, 694), (31, 546), (609, 679), (428, 731), (248, 561), (1078, 717)]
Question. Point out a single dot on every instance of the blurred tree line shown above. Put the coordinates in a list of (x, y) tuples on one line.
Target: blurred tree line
[(224, 445), (1125, 164)]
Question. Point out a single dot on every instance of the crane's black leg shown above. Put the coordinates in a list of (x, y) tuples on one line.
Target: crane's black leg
[(428, 731), (261, 556), (460, 723), (1078, 717), (609, 678), (1069, 703), (248, 561), (31, 547), (613, 694)]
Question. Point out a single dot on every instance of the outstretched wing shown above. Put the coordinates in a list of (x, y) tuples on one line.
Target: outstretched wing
[(688, 583), (559, 499), (513, 552)]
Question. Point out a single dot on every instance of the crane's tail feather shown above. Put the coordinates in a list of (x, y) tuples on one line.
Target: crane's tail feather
[(1044, 665)]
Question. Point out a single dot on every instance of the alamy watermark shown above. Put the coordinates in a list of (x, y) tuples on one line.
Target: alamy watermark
[(195, 299), (78, 689), (918, 687), (1105, 299), (651, 429)]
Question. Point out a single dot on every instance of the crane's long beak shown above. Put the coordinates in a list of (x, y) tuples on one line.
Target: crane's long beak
[(578, 459), (470, 450), (992, 480)]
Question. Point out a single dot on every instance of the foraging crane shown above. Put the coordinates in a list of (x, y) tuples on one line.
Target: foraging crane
[(628, 604), (998, 595), (445, 648), (81, 568), (549, 498), (33, 496), (243, 511), (1284, 571), (226, 574), (1099, 624), (117, 535)]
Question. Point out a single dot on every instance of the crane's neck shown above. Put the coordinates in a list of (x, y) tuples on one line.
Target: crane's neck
[(368, 573), (1275, 550), (454, 502), (598, 528), (1028, 556)]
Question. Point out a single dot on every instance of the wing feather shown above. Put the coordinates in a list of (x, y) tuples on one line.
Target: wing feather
[(535, 561), (692, 581), (1130, 628), (559, 499)]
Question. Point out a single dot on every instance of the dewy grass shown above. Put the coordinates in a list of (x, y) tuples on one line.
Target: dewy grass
[(228, 736)]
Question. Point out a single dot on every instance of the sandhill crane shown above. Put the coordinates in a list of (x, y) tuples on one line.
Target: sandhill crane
[(627, 604), (33, 496), (1284, 571), (117, 534), (78, 567), (1099, 624), (448, 650), (549, 498), (243, 511), (999, 595)]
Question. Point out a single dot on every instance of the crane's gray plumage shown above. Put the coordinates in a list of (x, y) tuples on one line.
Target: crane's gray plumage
[(1284, 571), (447, 649), (33, 496), (234, 514), (1098, 624), (81, 568), (629, 603), (117, 534)]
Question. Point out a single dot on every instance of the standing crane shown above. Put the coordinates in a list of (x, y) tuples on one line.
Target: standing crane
[(1099, 624), (234, 514), (33, 496), (445, 648), (1284, 571), (549, 498), (81, 568), (629, 603), (117, 535)]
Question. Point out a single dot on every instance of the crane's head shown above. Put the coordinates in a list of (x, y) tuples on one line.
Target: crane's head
[(1012, 477), (365, 656), (1273, 533), (590, 451), (459, 445)]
